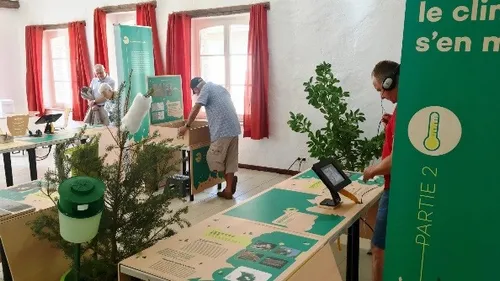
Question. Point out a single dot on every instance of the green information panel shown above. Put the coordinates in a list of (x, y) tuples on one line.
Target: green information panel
[(134, 51), (265, 258), (440, 225), (202, 176), (167, 99)]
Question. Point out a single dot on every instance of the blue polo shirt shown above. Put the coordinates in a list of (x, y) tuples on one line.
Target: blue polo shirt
[(221, 113)]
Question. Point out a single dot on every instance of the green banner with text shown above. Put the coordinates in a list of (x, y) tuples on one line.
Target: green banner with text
[(442, 206), (134, 51)]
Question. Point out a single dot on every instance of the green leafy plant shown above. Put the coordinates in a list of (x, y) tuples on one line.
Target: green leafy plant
[(341, 137), (135, 216)]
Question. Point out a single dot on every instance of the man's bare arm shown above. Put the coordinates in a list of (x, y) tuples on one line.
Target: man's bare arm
[(100, 100), (194, 112), (384, 167)]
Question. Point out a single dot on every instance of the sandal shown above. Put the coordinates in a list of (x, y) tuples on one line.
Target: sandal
[(224, 195)]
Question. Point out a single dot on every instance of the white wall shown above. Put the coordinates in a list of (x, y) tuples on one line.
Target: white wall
[(352, 35), (12, 75)]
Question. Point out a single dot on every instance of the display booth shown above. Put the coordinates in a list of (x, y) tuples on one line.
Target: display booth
[(167, 117)]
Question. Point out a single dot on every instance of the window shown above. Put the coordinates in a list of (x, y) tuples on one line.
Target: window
[(220, 47), (125, 18), (57, 90)]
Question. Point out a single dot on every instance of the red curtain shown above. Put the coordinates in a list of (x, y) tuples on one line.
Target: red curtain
[(146, 16), (256, 117), (80, 67), (179, 54), (100, 38), (34, 88)]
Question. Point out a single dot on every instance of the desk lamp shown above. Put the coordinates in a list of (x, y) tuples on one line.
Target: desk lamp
[(81, 203)]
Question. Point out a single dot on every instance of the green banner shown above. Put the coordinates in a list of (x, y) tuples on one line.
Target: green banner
[(440, 225), (167, 99), (134, 51)]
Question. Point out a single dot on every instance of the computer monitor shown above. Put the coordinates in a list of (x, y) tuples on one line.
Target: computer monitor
[(48, 119), (331, 174)]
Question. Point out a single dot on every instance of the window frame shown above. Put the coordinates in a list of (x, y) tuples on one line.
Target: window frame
[(197, 25), (48, 70)]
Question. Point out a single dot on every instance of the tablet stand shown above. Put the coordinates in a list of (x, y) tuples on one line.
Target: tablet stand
[(49, 120), (337, 201)]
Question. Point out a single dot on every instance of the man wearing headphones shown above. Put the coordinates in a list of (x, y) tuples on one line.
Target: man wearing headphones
[(385, 77)]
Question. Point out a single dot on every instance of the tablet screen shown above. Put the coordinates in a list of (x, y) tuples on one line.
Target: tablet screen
[(332, 174)]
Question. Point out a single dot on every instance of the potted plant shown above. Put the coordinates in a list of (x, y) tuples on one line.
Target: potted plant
[(135, 217), (341, 137)]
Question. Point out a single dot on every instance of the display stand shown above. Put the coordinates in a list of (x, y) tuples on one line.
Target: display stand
[(49, 120), (21, 252), (167, 116), (282, 233)]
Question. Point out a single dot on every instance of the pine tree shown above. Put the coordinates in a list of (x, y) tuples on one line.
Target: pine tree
[(135, 217)]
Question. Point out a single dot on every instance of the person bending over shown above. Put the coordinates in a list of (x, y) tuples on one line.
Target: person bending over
[(385, 78), (224, 128)]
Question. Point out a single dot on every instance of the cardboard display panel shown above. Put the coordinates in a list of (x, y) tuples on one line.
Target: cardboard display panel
[(166, 103), (271, 236), (23, 252), (198, 132)]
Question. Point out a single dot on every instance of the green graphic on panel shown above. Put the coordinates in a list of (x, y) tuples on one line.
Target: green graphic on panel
[(167, 99), (265, 258), (47, 138), (446, 138), (310, 174), (20, 192), (200, 171), (134, 51), (285, 207)]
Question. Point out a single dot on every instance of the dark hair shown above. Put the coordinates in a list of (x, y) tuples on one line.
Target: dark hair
[(384, 69)]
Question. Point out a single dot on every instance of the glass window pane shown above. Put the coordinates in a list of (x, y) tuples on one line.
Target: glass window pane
[(212, 40), (237, 95), (59, 47), (63, 92), (238, 39), (238, 69), (213, 69), (60, 69)]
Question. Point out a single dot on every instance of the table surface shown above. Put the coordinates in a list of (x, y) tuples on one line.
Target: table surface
[(23, 143), (267, 237)]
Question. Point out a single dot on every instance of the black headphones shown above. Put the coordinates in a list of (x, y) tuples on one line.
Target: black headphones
[(391, 81)]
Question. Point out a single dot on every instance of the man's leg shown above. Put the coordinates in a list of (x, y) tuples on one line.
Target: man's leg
[(216, 159), (378, 240), (231, 165)]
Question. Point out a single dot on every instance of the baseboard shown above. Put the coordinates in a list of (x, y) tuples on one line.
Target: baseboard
[(268, 169)]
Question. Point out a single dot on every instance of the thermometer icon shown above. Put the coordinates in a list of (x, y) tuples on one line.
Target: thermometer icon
[(432, 141)]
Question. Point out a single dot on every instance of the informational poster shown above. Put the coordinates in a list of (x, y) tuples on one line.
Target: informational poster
[(134, 51), (167, 99), (442, 199)]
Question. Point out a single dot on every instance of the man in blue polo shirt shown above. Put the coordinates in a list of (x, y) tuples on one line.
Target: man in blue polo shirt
[(224, 129)]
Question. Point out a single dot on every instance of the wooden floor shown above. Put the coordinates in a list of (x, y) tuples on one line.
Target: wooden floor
[(206, 204)]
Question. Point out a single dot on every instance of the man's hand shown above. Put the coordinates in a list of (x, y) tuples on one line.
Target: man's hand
[(369, 173), (182, 131), (386, 117)]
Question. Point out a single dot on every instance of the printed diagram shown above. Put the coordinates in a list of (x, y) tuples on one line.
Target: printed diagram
[(434, 130), (432, 141), (244, 273)]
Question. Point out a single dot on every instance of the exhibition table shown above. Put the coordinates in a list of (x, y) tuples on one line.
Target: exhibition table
[(21, 253), (31, 143), (280, 234)]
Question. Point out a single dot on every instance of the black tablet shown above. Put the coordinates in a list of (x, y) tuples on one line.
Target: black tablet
[(334, 178)]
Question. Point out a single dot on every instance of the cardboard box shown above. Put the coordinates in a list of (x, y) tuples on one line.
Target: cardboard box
[(198, 132)]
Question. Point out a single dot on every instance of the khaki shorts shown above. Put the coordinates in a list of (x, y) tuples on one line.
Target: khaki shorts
[(222, 155)]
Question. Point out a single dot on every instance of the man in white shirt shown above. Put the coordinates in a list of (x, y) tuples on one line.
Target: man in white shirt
[(101, 77)]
